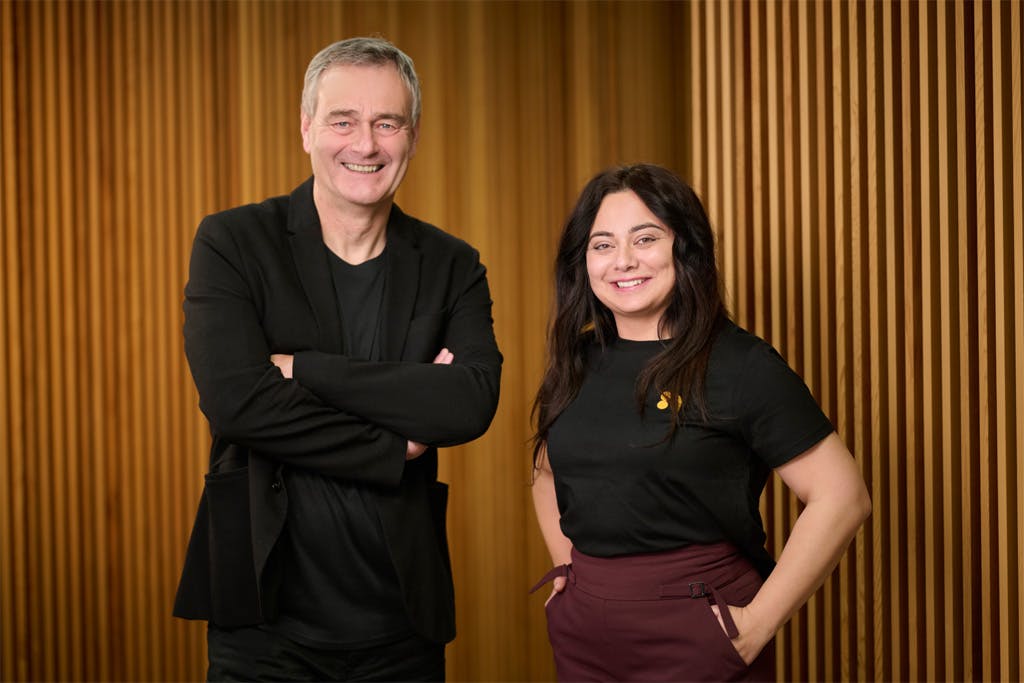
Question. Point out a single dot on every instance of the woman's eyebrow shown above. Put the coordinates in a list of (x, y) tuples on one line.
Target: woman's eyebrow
[(641, 226)]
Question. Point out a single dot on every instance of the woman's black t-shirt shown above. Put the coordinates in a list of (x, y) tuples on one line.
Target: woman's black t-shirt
[(622, 488)]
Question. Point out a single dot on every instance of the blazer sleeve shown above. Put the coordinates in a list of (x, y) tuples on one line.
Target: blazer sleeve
[(439, 405), (244, 396)]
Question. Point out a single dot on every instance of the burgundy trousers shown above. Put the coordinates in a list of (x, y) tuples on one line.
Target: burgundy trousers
[(648, 617)]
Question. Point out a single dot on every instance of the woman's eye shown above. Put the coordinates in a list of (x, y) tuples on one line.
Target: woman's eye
[(646, 239)]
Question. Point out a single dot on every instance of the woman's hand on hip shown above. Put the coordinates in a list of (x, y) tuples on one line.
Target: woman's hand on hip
[(557, 586), (750, 640)]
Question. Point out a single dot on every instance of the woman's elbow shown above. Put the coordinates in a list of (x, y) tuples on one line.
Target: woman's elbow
[(851, 505), (862, 505), (853, 508)]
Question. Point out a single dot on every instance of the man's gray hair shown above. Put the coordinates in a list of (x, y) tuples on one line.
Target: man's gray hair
[(360, 52)]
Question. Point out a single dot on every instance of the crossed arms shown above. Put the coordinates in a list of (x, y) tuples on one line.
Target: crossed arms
[(340, 417)]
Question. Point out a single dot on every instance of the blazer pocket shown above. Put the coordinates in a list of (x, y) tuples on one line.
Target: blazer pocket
[(438, 494), (233, 589)]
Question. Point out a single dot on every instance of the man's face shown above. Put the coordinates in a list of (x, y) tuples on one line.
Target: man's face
[(360, 138)]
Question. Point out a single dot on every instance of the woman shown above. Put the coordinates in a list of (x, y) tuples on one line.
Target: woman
[(658, 422)]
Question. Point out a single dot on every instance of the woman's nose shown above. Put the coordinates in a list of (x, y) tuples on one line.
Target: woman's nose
[(625, 258)]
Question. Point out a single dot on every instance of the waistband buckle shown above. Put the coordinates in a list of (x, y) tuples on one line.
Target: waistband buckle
[(699, 590)]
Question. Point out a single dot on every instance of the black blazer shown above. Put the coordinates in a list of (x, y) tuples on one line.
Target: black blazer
[(260, 283)]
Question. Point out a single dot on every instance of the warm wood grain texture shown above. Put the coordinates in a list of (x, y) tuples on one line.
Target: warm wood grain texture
[(861, 162), (875, 240)]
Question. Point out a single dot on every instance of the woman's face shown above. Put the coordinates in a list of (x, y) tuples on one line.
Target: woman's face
[(630, 264)]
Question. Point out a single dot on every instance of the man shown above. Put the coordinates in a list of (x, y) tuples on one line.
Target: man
[(335, 342)]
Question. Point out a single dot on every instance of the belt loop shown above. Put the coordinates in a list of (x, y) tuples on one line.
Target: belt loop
[(699, 589), (560, 570), (723, 609)]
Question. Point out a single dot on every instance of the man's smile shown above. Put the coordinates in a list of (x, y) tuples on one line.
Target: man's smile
[(363, 168)]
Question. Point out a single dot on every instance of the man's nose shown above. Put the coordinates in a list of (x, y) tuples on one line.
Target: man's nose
[(364, 139)]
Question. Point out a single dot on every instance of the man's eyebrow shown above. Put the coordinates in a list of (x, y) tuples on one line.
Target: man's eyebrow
[(341, 112), (353, 114)]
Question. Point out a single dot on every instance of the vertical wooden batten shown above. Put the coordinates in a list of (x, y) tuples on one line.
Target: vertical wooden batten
[(910, 250), (861, 163)]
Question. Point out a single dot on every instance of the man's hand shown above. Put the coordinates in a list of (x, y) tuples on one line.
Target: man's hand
[(444, 357), (414, 450), (284, 363)]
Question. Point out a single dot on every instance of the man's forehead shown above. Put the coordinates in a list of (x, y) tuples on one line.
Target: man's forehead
[(361, 81), (363, 90)]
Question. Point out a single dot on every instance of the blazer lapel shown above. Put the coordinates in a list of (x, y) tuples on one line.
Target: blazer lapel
[(402, 286), (313, 267)]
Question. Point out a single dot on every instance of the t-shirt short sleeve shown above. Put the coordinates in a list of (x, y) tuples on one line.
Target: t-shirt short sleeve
[(780, 418)]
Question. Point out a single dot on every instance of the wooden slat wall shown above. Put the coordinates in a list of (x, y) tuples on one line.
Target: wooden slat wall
[(861, 161), (863, 164)]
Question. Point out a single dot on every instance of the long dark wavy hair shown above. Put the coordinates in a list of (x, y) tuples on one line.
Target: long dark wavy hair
[(694, 315)]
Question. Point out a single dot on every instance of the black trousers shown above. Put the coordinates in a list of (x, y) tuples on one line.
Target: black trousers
[(256, 654)]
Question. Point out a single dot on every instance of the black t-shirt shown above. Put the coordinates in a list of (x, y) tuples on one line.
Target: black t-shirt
[(622, 488), (360, 291), (340, 588)]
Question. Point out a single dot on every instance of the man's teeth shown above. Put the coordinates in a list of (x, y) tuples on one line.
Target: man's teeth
[(359, 168), (628, 283)]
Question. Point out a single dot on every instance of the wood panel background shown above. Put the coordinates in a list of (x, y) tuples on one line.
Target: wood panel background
[(862, 163)]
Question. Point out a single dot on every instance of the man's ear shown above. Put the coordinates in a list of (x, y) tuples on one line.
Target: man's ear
[(415, 139), (304, 125)]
